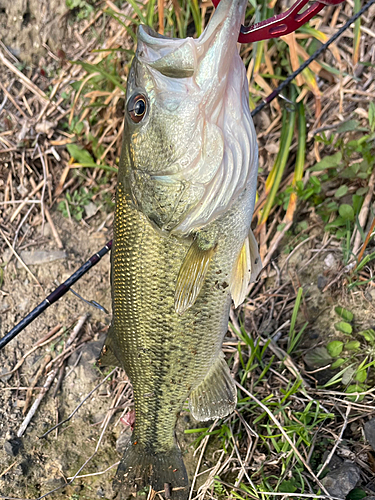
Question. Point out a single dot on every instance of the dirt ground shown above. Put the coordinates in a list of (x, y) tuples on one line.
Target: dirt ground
[(40, 465), (36, 466)]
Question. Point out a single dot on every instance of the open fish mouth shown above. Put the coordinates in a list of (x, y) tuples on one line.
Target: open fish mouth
[(204, 58), (197, 95)]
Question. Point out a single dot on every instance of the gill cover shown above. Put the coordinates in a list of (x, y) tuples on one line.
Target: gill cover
[(194, 152)]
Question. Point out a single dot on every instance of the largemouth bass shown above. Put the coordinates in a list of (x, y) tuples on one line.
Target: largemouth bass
[(183, 247)]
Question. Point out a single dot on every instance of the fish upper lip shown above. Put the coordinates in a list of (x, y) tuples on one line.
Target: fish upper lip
[(221, 32), (230, 13)]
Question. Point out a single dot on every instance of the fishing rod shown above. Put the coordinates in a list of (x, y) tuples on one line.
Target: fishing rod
[(271, 28), (55, 295)]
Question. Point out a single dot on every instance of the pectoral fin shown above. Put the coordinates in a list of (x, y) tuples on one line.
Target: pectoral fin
[(216, 396), (191, 277), (108, 356), (247, 268)]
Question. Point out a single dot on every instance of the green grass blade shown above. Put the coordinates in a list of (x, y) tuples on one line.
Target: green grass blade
[(284, 155), (196, 13), (92, 68), (138, 11), (150, 12)]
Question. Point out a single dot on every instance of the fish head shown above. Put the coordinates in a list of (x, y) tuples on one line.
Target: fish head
[(189, 142)]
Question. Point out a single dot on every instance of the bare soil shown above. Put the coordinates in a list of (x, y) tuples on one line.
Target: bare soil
[(40, 465), (29, 27)]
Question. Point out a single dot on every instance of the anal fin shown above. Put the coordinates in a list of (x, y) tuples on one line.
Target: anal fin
[(191, 276), (246, 270), (108, 356), (216, 396)]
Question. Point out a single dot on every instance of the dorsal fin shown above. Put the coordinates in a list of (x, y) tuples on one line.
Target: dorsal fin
[(246, 270), (108, 356)]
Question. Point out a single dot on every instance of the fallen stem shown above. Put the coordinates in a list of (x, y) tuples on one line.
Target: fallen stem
[(77, 407)]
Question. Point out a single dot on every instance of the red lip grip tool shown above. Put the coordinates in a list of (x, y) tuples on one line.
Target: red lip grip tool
[(282, 24)]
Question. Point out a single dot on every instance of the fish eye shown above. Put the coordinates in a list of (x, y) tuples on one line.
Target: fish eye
[(137, 106)]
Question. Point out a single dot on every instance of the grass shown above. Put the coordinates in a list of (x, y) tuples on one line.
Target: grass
[(344, 160)]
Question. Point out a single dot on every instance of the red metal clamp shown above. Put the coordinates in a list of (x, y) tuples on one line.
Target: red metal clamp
[(282, 24)]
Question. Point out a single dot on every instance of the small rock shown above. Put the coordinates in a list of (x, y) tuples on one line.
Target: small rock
[(100, 492), (97, 417), (335, 461), (4, 306), (5, 369), (45, 127), (22, 190), (90, 209), (13, 446), (23, 305), (47, 231), (123, 440), (271, 148), (330, 261), (53, 483), (91, 351), (40, 257), (370, 432), (321, 282), (342, 480), (87, 369)]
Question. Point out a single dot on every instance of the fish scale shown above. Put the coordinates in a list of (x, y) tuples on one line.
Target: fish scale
[(165, 354), (158, 347), (182, 245)]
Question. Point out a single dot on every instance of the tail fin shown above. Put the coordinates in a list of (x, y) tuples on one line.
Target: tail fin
[(141, 468)]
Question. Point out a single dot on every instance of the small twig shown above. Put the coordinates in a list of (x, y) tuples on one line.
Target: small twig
[(55, 332), (204, 444), (280, 427), (49, 219), (49, 380), (280, 494), (287, 360), (295, 250), (7, 469), (338, 441), (37, 402), (19, 259), (75, 365), (10, 97), (29, 392), (243, 470), (26, 81), (96, 473), (72, 478), (211, 478), (344, 270), (360, 255), (78, 407), (71, 339), (28, 200), (24, 218), (362, 217), (44, 183)]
